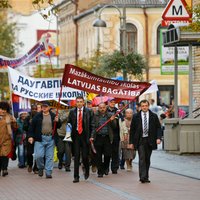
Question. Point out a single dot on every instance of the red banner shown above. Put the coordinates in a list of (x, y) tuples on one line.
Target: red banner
[(78, 78)]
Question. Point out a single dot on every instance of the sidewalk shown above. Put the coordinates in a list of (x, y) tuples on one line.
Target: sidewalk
[(21, 185), (186, 165)]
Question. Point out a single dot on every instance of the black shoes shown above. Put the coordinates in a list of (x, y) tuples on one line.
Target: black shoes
[(40, 172), (106, 172), (114, 172), (100, 175), (86, 176), (145, 181), (60, 166), (67, 169), (29, 169), (4, 173), (48, 176), (76, 180)]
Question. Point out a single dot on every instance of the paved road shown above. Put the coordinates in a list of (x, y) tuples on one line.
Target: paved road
[(20, 185)]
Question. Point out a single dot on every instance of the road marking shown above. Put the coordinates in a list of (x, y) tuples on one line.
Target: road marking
[(114, 190)]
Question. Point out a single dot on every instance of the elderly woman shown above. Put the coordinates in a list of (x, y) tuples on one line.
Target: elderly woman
[(7, 122), (127, 152)]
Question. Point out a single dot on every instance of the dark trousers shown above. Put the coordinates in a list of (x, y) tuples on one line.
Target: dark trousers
[(115, 156), (30, 151), (144, 152), (103, 148), (3, 162), (64, 147), (92, 158), (80, 146)]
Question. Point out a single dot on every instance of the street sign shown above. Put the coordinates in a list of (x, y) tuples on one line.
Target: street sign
[(166, 23), (176, 10)]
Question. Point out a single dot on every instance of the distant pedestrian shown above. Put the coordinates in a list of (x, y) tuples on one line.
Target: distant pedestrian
[(153, 106), (81, 119), (41, 131), (20, 140), (145, 134)]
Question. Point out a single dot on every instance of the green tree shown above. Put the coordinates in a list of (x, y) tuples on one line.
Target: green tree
[(45, 71), (110, 64), (7, 37), (92, 63), (4, 4), (7, 48), (195, 24)]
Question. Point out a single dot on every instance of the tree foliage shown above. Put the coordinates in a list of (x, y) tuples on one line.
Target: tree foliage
[(111, 64), (90, 64), (8, 42), (8, 45), (4, 4), (195, 24)]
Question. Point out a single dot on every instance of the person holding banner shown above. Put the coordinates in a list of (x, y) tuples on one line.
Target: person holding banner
[(42, 132), (103, 138), (81, 119), (145, 134), (116, 138)]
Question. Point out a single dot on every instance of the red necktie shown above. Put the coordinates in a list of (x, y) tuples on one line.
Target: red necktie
[(80, 122)]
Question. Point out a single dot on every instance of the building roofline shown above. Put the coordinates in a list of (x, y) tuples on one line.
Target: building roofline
[(99, 6)]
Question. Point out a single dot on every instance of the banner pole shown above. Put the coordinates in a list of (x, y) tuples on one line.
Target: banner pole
[(100, 127), (58, 106)]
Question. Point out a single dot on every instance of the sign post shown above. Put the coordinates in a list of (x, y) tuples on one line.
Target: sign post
[(176, 11)]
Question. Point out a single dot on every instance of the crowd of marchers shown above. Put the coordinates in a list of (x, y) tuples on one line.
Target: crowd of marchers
[(100, 139)]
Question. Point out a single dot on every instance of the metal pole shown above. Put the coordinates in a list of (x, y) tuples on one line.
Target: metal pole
[(190, 83), (176, 82), (123, 39), (57, 41)]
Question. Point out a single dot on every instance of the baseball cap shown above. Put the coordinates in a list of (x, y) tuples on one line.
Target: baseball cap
[(45, 103), (111, 99)]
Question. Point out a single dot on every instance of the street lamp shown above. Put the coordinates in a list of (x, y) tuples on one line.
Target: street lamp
[(122, 16)]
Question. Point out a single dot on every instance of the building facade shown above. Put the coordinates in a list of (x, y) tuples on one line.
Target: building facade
[(196, 72), (79, 39)]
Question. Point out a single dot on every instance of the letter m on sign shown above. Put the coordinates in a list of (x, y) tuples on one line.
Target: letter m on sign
[(176, 10)]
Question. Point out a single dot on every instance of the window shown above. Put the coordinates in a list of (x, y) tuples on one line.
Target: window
[(158, 39), (131, 35)]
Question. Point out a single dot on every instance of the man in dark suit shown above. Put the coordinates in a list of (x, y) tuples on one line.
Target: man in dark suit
[(145, 134), (111, 109), (103, 138), (81, 119)]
